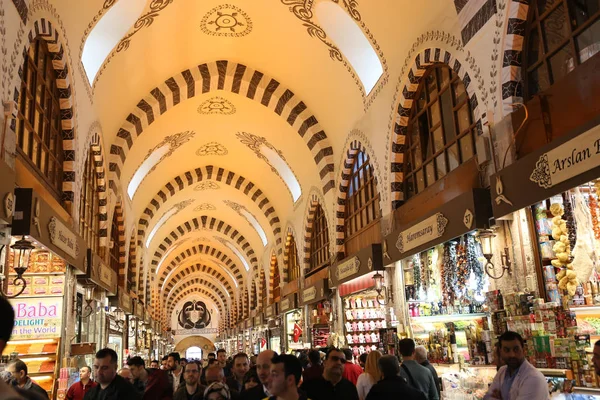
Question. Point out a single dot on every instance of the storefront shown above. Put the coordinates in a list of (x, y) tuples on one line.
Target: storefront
[(43, 307), (259, 334), (553, 194), (274, 327), (293, 322), (317, 304), (247, 336), (440, 282), (118, 334)]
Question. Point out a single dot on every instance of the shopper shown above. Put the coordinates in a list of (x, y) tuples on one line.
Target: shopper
[(153, 383), (362, 360), (175, 370), (371, 376), (596, 357), (250, 380), (331, 385), (392, 386), (518, 379), (421, 358), (315, 370), (351, 371), (217, 391), (222, 359), (78, 390), (241, 365), (18, 370), (154, 364), (253, 361), (183, 362), (286, 371), (110, 385), (126, 374), (215, 374), (415, 374), (263, 370), (193, 389), (163, 363)]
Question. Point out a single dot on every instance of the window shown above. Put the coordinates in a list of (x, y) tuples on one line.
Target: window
[(292, 256), (107, 33), (146, 167), (561, 34), (263, 284), (319, 241), (284, 170), (88, 207), (351, 41), (38, 129), (276, 279), (115, 249), (160, 223), (441, 129), (362, 202)]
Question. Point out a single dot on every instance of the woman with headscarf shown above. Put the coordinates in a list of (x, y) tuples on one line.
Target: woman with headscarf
[(217, 391), (371, 376)]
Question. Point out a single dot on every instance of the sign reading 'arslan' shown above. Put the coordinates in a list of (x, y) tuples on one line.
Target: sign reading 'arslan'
[(572, 158), (421, 233), (37, 318)]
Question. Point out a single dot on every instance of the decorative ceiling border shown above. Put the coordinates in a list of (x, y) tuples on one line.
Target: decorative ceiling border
[(234, 15)]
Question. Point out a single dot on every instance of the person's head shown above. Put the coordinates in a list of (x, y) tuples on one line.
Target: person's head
[(253, 360), (183, 362), (8, 321), (241, 365), (105, 366), (511, 349), (191, 373), (163, 362), (263, 366), (334, 365), (18, 370), (407, 348), (286, 371), (212, 361), (250, 379), (388, 365), (362, 360), (126, 374), (214, 373), (85, 373), (420, 354), (217, 391), (212, 356), (137, 366), (372, 366), (348, 354), (154, 364), (173, 361), (222, 357), (314, 356), (596, 357)]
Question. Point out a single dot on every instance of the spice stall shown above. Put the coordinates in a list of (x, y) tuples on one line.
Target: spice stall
[(315, 300)]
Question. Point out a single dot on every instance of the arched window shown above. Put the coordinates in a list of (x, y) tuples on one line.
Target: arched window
[(89, 205), (319, 241), (560, 35), (254, 302), (362, 202), (115, 249), (276, 279), (441, 129), (263, 285), (292, 257), (38, 129)]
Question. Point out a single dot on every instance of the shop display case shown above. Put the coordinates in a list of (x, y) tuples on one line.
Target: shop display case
[(363, 319)]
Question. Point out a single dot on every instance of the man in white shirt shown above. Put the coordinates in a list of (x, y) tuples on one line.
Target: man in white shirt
[(175, 370), (517, 380)]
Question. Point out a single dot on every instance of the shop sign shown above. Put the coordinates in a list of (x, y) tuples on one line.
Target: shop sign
[(102, 274), (62, 237), (348, 268), (578, 155), (422, 233), (37, 318), (288, 303), (309, 294), (258, 320), (271, 311)]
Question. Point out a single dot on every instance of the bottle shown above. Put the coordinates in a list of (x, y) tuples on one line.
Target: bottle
[(453, 347)]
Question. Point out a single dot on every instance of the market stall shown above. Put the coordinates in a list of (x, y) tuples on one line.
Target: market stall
[(274, 327), (315, 299), (293, 322), (259, 334)]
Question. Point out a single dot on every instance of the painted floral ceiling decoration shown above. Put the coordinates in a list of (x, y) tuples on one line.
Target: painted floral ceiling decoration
[(205, 207), (226, 20), (216, 105), (212, 149), (207, 185)]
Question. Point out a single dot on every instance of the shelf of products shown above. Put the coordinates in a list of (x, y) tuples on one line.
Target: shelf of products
[(364, 317), (320, 335)]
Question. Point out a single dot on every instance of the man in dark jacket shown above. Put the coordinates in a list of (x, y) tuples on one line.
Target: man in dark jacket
[(315, 371), (393, 386), (110, 385), (152, 383), (421, 358), (18, 370), (263, 369), (192, 390), (331, 386)]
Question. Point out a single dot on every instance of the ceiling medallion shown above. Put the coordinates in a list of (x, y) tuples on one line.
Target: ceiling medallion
[(216, 105), (205, 207), (208, 185), (226, 20), (212, 149)]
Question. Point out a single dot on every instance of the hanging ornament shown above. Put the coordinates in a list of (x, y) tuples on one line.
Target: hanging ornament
[(567, 278), (444, 274), (594, 212), (570, 219), (462, 268), (474, 263), (417, 274), (449, 274)]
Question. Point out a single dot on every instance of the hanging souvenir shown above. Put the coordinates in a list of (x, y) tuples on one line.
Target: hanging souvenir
[(567, 278), (583, 264), (462, 268), (594, 212), (473, 262), (417, 274), (569, 218)]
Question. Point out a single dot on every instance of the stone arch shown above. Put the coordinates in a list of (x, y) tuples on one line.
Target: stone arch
[(204, 222), (246, 304), (262, 288), (290, 237), (66, 94), (273, 268), (352, 151), (183, 294), (199, 341), (201, 270), (253, 296), (132, 262), (235, 78), (120, 220), (313, 202), (422, 61), (218, 174), (512, 60)]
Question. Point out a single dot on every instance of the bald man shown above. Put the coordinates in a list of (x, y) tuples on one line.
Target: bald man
[(263, 368)]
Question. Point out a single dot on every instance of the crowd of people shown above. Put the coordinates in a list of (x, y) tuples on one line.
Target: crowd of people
[(315, 375)]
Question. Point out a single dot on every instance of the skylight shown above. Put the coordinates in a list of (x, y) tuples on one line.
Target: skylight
[(237, 253), (161, 221), (107, 33), (284, 171), (351, 41), (146, 166), (164, 257), (253, 221), (228, 273)]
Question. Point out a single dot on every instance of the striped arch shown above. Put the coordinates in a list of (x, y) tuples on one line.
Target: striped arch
[(340, 213), (196, 270), (235, 78), (196, 251), (246, 304), (180, 295), (512, 61), (312, 207), (218, 174), (44, 29), (290, 237), (132, 267), (118, 215), (262, 289), (196, 282), (204, 222), (423, 60), (273, 285), (96, 149), (253, 296)]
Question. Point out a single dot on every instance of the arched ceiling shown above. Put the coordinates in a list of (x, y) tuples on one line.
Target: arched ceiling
[(215, 95)]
